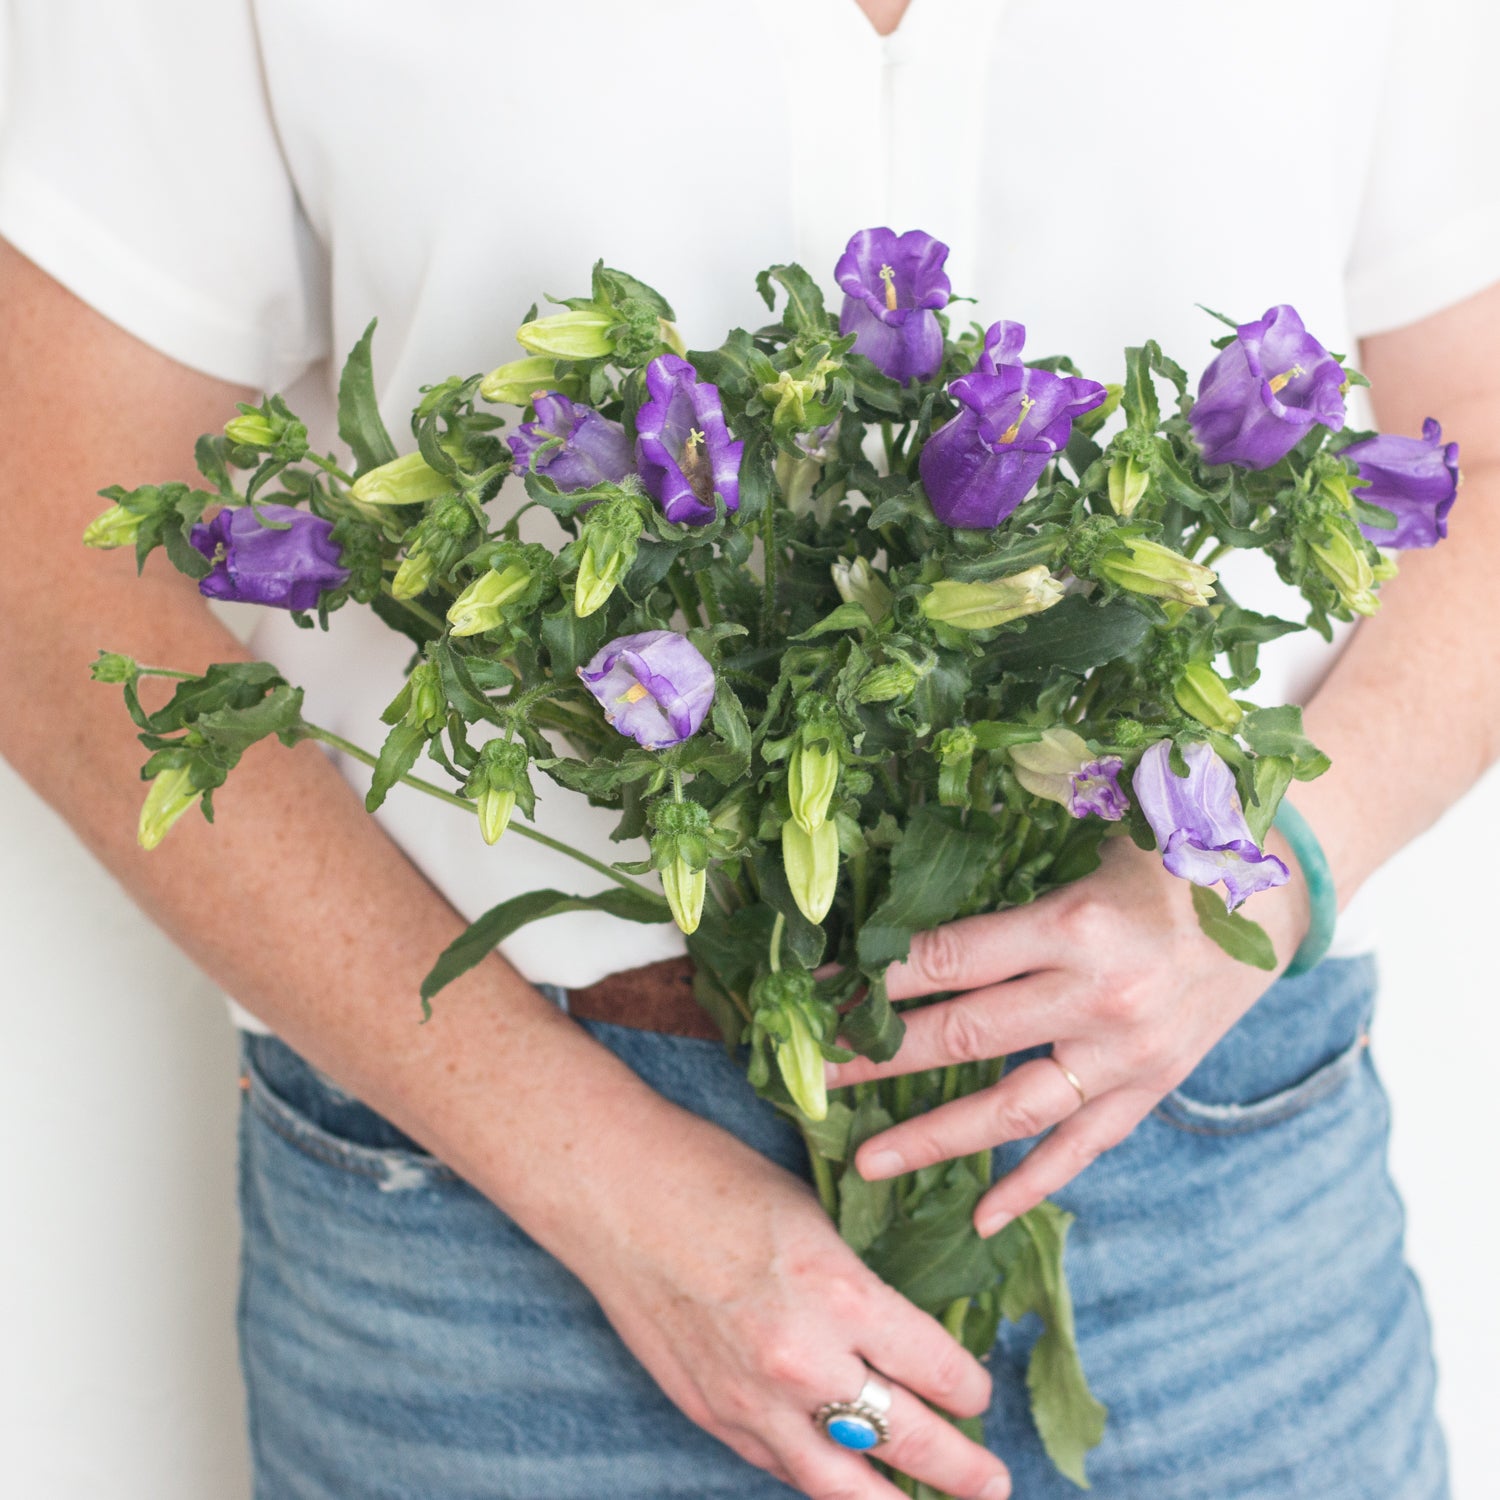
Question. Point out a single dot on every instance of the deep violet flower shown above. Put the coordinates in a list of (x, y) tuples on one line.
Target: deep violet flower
[(1265, 391), (892, 285), (1199, 823), (978, 468), (655, 687), (683, 448), (571, 444), (286, 566), (1414, 478)]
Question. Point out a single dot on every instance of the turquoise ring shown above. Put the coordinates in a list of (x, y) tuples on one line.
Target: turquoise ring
[(860, 1424)]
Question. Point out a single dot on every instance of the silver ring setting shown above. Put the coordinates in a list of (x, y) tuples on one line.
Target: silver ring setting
[(860, 1424)]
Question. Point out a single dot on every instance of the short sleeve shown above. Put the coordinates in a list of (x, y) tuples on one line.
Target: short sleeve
[(139, 166), (1428, 232)]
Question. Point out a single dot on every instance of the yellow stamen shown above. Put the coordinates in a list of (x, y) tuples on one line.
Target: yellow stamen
[(1009, 435), (888, 275), (1279, 382), (632, 694)]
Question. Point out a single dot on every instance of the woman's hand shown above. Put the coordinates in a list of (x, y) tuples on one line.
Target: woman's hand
[(730, 1284), (1115, 973)]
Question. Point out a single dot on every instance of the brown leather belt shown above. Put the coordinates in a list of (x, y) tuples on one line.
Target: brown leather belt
[(654, 997)]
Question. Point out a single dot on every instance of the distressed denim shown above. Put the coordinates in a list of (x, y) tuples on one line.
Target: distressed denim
[(1243, 1306)]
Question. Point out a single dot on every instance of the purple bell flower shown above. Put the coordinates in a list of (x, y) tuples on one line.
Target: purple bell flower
[(1200, 825), (1265, 392), (655, 687), (979, 467), (1096, 790), (892, 284), (1415, 478), (593, 449), (255, 564), (682, 447)]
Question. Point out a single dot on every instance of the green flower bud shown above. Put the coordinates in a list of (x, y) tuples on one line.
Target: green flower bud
[(579, 333), (113, 667), (415, 574), (795, 478), (1200, 692), (422, 703), (611, 537), (250, 429), (408, 480), (684, 888), (481, 606), (1128, 482), (800, 1061), (1148, 568), (812, 779), (433, 546), (890, 681), (515, 383), (955, 749), (1386, 567), (1345, 563), (858, 583), (115, 527), (811, 862), (495, 808), (981, 606), (172, 793)]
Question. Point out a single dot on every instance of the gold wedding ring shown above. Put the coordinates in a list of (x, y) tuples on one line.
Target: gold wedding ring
[(1072, 1078)]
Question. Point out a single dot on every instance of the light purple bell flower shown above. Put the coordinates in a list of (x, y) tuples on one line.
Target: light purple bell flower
[(1415, 478), (892, 285), (1200, 825), (979, 467), (1265, 392), (655, 687), (593, 449), (254, 564), (682, 447)]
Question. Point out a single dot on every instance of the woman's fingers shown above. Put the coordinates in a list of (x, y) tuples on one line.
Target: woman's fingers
[(972, 951), (986, 1023), (1033, 1098), (1054, 1163), (912, 1347)]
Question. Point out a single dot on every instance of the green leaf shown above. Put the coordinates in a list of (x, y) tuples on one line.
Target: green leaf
[(1272, 774), (616, 286), (234, 730), (1238, 936), (497, 924), (864, 1207), (1142, 411), (1278, 731), (1073, 635), (398, 755), (571, 641), (805, 312), (360, 424), (931, 1254), (873, 1028), (850, 616), (829, 1137), (935, 869), (1068, 1417)]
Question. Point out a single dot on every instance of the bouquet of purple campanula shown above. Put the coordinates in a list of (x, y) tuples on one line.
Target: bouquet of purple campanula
[(861, 622)]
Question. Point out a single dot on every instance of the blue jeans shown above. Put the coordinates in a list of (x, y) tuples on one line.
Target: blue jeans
[(1243, 1305)]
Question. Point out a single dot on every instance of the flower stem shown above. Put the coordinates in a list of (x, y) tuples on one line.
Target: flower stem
[(776, 931), (413, 608), (328, 466), (328, 737), (166, 672), (768, 543), (828, 1193)]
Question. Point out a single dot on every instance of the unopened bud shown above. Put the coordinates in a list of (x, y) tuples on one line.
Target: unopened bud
[(811, 862), (495, 808), (1346, 565), (415, 574), (1157, 572), (115, 527), (800, 1060), (1128, 482), (981, 606), (172, 793), (579, 333), (408, 480), (481, 606), (1200, 692), (889, 681), (250, 430), (684, 888), (111, 666), (858, 583), (515, 383), (812, 778)]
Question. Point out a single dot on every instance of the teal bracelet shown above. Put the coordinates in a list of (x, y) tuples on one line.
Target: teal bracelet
[(1322, 901)]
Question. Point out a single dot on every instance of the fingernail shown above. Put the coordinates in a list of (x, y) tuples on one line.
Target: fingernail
[(879, 1164), (987, 1227), (997, 1489)]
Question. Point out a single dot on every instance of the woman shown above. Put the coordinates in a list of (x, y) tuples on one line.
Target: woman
[(417, 1328)]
